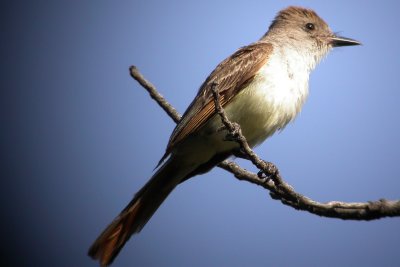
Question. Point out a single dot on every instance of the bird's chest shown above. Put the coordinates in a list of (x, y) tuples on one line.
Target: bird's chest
[(270, 101), (282, 87)]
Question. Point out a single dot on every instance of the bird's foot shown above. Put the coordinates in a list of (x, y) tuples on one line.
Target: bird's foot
[(268, 172)]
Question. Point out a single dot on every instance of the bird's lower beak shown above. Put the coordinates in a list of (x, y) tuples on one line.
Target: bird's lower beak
[(343, 41)]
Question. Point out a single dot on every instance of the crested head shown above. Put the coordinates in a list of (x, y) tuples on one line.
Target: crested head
[(304, 31), (294, 15)]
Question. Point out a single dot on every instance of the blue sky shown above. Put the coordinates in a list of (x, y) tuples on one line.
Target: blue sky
[(81, 137)]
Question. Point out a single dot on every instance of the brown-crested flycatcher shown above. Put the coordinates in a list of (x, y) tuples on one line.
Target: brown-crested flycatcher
[(262, 87)]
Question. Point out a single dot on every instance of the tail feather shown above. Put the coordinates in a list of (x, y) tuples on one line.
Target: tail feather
[(136, 214)]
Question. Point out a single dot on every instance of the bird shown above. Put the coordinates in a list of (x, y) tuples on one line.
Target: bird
[(262, 87)]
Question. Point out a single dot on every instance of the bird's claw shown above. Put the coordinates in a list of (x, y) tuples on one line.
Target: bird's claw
[(271, 171)]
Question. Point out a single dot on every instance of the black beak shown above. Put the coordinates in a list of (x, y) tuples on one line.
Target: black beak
[(343, 41)]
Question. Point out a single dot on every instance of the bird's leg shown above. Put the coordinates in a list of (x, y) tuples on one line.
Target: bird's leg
[(269, 172), (231, 135)]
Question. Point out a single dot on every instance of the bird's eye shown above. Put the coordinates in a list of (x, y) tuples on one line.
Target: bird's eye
[(310, 26)]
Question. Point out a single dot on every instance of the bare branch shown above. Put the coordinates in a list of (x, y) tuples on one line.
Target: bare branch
[(269, 177), (167, 107)]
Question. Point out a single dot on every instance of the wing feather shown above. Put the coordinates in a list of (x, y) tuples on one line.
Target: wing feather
[(231, 75)]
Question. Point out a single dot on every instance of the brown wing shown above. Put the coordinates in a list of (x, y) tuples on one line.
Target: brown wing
[(231, 75)]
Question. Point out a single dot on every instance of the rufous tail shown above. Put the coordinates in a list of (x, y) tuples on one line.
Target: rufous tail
[(136, 214)]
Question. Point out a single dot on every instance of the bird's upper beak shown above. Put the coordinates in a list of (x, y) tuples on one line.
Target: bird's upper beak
[(342, 41)]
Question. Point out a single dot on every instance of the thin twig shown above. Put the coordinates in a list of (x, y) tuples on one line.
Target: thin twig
[(151, 89), (371, 210)]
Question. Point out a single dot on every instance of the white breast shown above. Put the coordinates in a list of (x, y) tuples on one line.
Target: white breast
[(273, 99)]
